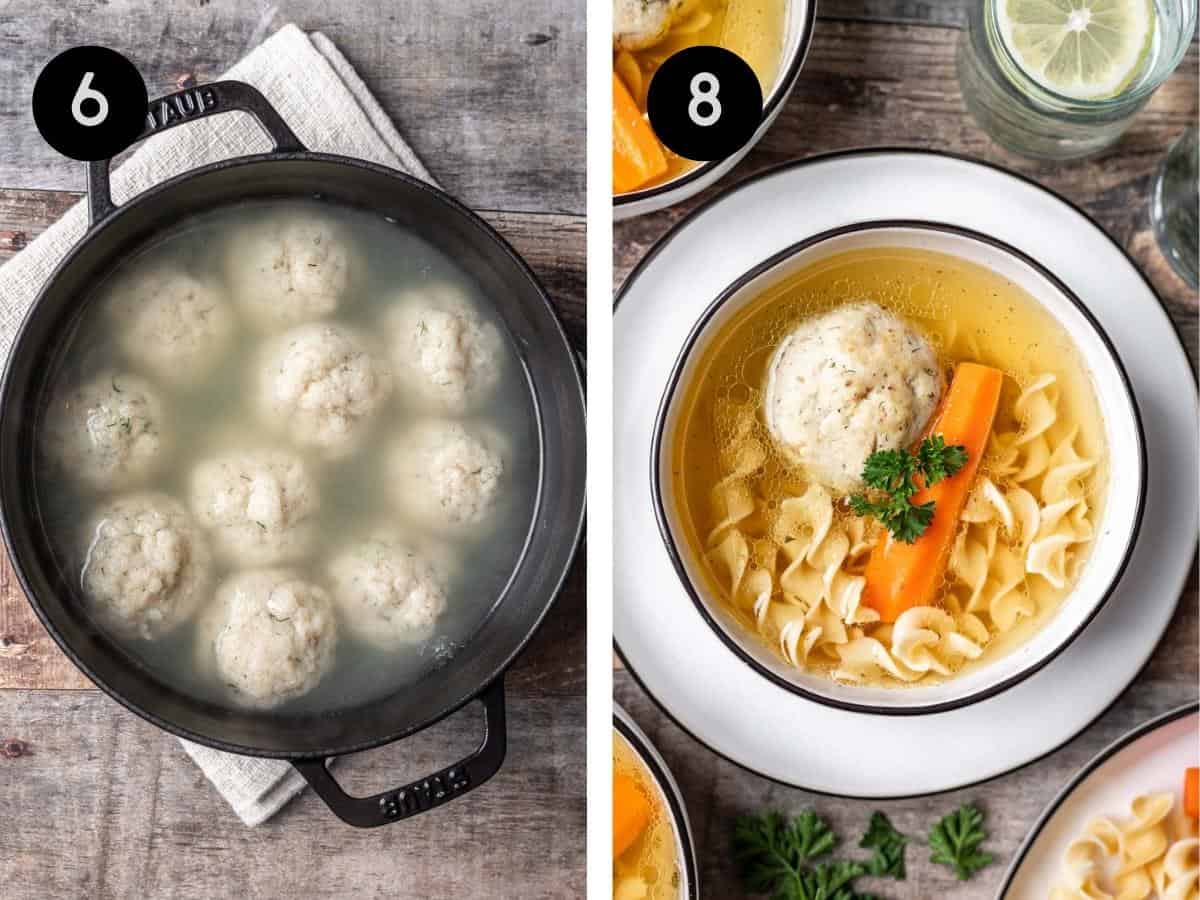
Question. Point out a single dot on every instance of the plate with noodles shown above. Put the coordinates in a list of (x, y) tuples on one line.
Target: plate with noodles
[(1125, 826)]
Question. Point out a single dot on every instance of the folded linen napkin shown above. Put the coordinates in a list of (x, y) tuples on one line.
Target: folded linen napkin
[(320, 96)]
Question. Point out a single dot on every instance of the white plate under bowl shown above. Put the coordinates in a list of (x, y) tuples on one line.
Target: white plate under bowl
[(1149, 759), (671, 797), (798, 30), (1115, 532), (679, 659)]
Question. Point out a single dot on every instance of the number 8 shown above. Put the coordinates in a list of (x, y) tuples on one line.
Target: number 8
[(704, 90), (87, 92)]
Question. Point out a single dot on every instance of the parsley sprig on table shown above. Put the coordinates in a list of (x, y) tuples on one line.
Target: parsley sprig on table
[(771, 852), (888, 844), (954, 841), (778, 857), (791, 860), (831, 881), (892, 474)]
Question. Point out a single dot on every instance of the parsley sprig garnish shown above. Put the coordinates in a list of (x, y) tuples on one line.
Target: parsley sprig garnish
[(888, 844), (954, 841), (937, 461), (892, 476)]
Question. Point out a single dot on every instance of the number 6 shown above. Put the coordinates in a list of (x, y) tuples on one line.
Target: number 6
[(704, 90), (86, 92)]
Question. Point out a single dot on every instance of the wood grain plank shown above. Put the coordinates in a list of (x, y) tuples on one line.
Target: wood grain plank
[(928, 13), (717, 791), (857, 90), (489, 93), (555, 247), (24, 214), (552, 244), (105, 806), (28, 655)]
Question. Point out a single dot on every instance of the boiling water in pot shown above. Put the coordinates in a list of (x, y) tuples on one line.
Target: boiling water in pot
[(288, 456)]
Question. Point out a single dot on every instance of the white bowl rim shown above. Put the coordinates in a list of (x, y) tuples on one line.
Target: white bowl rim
[(781, 258), (660, 773), (779, 94)]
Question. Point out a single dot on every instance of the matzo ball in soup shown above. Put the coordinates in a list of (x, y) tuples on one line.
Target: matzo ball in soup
[(276, 635), (259, 505), (176, 325), (389, 590), (288, 269), (321, 385), (638, 24), (448, 475), (846, 384), (146, 565), (236, 525), (109, 432), (444, 354)]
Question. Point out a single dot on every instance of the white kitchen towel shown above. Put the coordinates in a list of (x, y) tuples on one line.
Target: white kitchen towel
[(320, 96)]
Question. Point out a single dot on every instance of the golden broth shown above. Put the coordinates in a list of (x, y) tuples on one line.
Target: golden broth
[(753, 29), (968, 312), (653, 860)]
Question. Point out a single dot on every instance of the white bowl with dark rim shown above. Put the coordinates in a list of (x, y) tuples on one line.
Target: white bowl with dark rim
[(799, 19), (670, 797), (1115, 534)]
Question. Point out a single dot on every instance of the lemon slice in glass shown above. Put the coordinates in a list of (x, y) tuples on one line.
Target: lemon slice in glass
[(1085, 49)]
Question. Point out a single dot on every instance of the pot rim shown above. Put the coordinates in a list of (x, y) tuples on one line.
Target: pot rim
[(672, 547), (575, 389)]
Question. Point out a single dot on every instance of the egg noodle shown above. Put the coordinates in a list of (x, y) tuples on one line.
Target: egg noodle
[(1153, 853)]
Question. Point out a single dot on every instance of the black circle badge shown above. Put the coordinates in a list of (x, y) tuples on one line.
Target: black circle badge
[(705, 103), (89, 103)]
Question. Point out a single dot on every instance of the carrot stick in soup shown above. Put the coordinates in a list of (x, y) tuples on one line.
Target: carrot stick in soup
[(631, 813), (1191, 793), (637, 155), (901, 575)]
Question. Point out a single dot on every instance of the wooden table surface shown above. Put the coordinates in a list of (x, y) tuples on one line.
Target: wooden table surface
[(881, 72), (99, 804)]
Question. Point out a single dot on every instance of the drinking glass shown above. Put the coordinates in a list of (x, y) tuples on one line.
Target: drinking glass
[(1031, 119), (1175, 205)]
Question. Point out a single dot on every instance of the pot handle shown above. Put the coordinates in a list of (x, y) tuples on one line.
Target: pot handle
[(188, 105), (425, 793)]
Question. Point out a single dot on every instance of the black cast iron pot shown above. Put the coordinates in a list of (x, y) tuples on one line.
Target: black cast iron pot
[(476, 671)]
